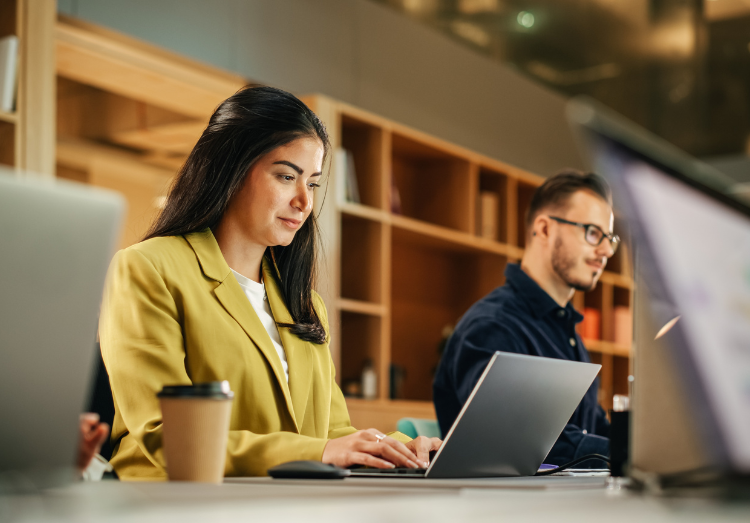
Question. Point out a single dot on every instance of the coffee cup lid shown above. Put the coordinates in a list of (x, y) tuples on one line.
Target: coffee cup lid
[(212, 390)]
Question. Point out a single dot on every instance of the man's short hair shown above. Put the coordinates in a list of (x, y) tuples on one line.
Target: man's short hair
[(557, 189)]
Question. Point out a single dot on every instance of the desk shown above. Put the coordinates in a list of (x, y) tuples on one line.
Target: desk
[(262, 499)]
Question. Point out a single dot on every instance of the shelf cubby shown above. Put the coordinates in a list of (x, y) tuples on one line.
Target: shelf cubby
[(361, 339), (497, 184), (361, 261), (622, 317), (366, 142), (593, 300), (431, 288), (621, 372), (7, 143), (614, 264), (433, 186)]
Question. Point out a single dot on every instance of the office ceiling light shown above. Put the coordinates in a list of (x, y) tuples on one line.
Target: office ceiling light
[(525, 19), (675, 39)]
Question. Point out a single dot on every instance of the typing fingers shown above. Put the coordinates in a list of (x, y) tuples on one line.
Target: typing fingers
[(388, 452), (422, 447), (368, 460)]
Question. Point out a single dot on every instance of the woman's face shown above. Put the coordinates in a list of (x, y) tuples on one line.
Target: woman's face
[(277, 195)]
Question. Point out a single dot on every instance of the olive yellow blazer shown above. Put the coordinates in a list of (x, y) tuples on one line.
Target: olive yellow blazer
[(174, 314)]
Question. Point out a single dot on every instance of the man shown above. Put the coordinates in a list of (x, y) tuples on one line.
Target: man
[(568, 241)]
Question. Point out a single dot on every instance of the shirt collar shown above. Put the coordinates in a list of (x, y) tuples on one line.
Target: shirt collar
[(540, 303)]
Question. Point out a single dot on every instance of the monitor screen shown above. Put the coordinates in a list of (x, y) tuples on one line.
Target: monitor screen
[(699, 244)]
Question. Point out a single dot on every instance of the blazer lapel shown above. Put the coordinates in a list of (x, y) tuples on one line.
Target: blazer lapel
[(298, 352), (232, 297)]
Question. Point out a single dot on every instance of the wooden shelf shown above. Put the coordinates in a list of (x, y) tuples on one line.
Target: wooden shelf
[(8, 117), (362, 307), (116, 63), (432, 235), (363, 211), (448, 239), (607, 347)]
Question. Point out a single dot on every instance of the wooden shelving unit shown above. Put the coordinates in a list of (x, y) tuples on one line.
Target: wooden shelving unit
[(398, 280), (27, 139)]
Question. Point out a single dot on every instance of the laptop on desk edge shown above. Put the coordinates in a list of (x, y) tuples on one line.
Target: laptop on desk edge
[(515, 413)]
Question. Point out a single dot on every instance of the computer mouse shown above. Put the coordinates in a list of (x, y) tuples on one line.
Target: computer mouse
[(307, 469)]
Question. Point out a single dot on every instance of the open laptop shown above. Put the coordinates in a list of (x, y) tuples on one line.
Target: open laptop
[(56, 241), (693, 240), (514, 415)]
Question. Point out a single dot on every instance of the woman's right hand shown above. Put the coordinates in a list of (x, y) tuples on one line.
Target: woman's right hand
[(371, 448)]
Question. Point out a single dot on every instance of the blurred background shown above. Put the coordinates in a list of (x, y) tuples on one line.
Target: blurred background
[(488, 74), (445, 115)]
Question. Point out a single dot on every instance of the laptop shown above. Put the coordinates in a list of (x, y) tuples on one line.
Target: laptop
[(57, 240), (693, 239), (514, 415)]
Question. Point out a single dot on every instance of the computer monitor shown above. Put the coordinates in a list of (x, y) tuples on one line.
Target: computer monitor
[(56, 241), (693, 239)]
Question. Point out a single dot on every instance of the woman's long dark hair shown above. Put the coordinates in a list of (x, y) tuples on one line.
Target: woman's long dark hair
[(245, 127)]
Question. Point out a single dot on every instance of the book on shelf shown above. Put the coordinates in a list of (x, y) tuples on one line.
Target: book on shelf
[(623, 325), (395, 198), (8, 72), (488, 208), (347, 186), (591, 324)]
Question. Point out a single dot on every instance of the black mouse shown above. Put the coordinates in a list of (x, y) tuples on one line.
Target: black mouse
[(307, 470)]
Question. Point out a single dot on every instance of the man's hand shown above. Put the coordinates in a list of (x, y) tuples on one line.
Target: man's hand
[(371, 448), (93, 434), (422, 446)]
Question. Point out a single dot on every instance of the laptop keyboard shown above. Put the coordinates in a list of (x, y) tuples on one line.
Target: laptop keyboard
[(388, 472)]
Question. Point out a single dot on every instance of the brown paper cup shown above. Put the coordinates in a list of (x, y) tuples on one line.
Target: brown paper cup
[(195, 433)]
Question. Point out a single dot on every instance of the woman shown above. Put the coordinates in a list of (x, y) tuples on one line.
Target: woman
[(222, 289)]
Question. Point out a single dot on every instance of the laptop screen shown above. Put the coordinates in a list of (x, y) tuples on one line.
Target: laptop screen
[(699, 244)]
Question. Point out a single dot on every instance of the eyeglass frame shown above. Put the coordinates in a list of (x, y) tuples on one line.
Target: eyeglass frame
[(614, 240)]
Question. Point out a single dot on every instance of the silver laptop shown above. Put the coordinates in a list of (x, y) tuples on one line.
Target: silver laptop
[(56, 241), (514, 415)]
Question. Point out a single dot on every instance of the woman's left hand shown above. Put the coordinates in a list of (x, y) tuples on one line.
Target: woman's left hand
[(93, 435), (422, 445)]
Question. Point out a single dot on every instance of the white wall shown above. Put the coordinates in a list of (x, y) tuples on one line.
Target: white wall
[(365, 54)]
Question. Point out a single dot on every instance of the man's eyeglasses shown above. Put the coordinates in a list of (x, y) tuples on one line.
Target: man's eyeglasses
[(594, 235)]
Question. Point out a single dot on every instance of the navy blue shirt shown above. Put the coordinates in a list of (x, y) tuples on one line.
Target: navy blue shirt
[(519, 317)]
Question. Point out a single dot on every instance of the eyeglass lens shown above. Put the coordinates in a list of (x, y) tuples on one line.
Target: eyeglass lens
[(594, 236)]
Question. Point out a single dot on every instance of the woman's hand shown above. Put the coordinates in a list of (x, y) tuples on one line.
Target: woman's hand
[(422, 446), (93, 434), (371, 448)]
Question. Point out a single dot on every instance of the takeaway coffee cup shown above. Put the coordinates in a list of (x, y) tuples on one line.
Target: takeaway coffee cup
[(195, 424)]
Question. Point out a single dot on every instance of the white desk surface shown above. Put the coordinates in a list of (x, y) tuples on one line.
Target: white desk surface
[(558, 500)]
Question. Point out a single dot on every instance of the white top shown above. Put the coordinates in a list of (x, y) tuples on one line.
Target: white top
[(256, 293)]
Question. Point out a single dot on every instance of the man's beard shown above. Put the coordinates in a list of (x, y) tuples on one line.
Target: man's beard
[(563, 266)]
